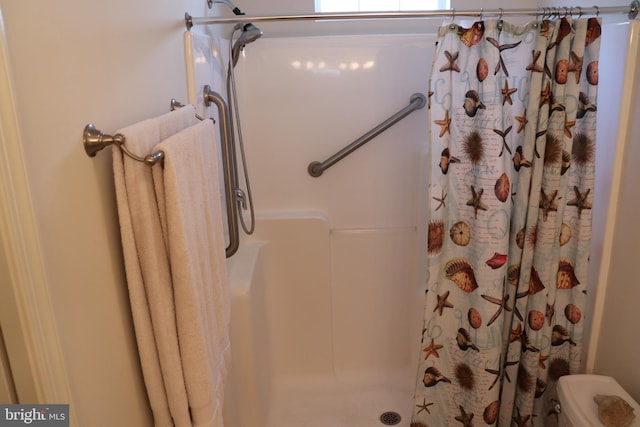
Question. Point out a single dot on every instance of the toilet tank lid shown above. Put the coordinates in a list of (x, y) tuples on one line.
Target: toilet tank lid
[(576, 394)]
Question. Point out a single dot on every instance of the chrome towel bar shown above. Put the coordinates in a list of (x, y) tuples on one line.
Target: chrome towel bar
[(94, 140), (416, 102)]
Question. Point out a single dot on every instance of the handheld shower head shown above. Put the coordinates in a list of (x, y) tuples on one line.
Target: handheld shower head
[(250, 33)]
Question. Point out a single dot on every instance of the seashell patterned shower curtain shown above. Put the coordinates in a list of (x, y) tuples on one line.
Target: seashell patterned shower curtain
[(513, 125)]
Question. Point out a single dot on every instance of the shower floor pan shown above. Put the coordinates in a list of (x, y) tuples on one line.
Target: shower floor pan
[(332, 402)]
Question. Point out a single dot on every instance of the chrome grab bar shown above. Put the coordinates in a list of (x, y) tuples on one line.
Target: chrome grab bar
[(416, 102), (229, 166)]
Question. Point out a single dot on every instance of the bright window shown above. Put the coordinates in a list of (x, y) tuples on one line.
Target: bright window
[(379, 5)]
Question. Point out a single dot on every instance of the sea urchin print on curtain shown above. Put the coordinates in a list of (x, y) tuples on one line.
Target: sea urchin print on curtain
[(513, 119)]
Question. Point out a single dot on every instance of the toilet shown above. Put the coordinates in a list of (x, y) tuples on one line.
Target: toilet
[(578, 408)]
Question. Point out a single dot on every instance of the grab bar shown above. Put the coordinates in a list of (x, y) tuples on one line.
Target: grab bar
[(229, 166), (95, 140), (416, 102)]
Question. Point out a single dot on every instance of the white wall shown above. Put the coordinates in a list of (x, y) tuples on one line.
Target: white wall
[(617, 353), (613, 291), (617, 349), (111, 63), (613, 52)]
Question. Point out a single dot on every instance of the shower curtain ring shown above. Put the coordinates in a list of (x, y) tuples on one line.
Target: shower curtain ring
[(501, 13), (597, 11), (579, 11), (566, 11), (453, 14), (481, 13)]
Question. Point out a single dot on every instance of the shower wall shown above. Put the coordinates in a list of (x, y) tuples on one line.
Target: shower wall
[(323, 93), (343, 292), (304, 98)]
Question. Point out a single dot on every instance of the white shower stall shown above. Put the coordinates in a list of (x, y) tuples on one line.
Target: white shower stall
[(327, 297), (328, 292)]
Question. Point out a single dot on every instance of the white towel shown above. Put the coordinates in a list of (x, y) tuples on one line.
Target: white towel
[(145, 241), (189, 186)]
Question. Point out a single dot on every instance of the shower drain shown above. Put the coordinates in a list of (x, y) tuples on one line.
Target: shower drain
[(390, 418)]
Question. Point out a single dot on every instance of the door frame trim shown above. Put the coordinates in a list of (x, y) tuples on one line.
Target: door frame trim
[(26, 310)]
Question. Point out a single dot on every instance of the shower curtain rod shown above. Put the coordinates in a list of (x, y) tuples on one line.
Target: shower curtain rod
[(546, 12)]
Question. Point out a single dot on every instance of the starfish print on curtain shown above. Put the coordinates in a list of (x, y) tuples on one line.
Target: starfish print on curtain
[(512, 146)]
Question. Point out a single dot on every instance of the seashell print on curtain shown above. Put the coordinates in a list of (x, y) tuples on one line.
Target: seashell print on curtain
[(513, 125)]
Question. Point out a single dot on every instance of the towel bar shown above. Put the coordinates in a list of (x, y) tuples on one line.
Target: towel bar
[(95, 140)]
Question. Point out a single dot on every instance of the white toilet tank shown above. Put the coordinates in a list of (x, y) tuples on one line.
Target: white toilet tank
[(576, 393)]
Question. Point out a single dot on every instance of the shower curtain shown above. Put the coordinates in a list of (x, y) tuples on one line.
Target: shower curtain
[(513, 121)]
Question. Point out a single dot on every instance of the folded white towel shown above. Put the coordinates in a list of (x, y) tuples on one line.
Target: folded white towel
[(189, 185), (148, 270)]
